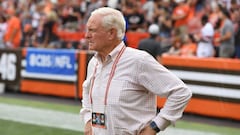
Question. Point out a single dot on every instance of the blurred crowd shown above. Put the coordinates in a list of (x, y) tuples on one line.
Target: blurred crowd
[(202, 28)]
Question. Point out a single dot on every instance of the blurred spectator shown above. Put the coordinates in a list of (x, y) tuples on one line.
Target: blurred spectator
[(175, 18), (83, 7), (104, 3), (237, 43), (235, 17), (235, 4), (83, 44), (213, 17), (189, 48), (3, 28), (69, 45), (197, 9), (165, 23), (83, 10), (36, 15), (94, 4), (49, 36), (226, 39), (174, 49), (148, 9), (205, 47), (225, 3), (29, 39), (113, 4), (134, 16), (26, 26), (12, 37), (151, 44), (162, 5), (196, 6), (49, 5), (216, 22), (71, 16), (180, 18), (186, 49)]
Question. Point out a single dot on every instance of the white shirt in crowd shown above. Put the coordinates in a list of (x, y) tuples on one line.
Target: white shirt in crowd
[(3, 29), (205, 46)]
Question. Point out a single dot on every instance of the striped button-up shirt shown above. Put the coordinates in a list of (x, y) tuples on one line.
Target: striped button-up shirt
[(131, 100)]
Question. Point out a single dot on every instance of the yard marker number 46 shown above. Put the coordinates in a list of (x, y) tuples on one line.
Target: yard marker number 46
[(8, 66)]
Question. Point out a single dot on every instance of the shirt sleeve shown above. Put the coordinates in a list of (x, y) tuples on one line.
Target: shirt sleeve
[(86, 112), (160, 81)]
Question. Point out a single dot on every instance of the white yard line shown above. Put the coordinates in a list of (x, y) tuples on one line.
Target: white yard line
[(41, 117), (64, 120)]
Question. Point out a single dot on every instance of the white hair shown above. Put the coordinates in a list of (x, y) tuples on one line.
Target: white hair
[(112, 18)]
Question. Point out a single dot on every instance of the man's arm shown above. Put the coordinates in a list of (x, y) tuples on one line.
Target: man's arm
[(162, 82), (86, 111)]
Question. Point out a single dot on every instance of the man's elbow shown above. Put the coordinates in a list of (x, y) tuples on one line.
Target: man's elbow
[(188, 93)]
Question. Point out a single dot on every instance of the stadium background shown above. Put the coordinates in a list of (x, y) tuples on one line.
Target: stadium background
[(59, 74)]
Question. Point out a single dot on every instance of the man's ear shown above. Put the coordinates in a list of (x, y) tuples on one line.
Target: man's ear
[(112, 34)]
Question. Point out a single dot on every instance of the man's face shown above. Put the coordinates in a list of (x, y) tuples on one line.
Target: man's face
[(96, 35)]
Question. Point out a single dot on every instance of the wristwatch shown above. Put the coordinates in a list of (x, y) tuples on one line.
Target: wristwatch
[(154, 126)]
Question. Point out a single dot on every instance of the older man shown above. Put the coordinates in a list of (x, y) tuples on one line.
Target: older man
[(119, 93)]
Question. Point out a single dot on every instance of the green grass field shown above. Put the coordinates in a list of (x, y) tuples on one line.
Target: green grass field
[(207, 128), (38, 104), (16, 128)]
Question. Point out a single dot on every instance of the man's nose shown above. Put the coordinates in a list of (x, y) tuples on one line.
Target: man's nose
[(87, 34)]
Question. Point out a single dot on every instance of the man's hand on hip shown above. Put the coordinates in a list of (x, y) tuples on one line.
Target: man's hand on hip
[(88, 128)]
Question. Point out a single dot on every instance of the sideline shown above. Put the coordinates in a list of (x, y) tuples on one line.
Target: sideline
[(58, 119), (42, 117)]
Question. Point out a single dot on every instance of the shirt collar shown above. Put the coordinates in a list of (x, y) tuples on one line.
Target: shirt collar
[(113, 54)]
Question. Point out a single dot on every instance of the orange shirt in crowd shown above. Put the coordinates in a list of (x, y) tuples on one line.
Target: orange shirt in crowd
[(13, 33), (216, 36), (143, 1), (179, 11), (191, 13), (188, 49)]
